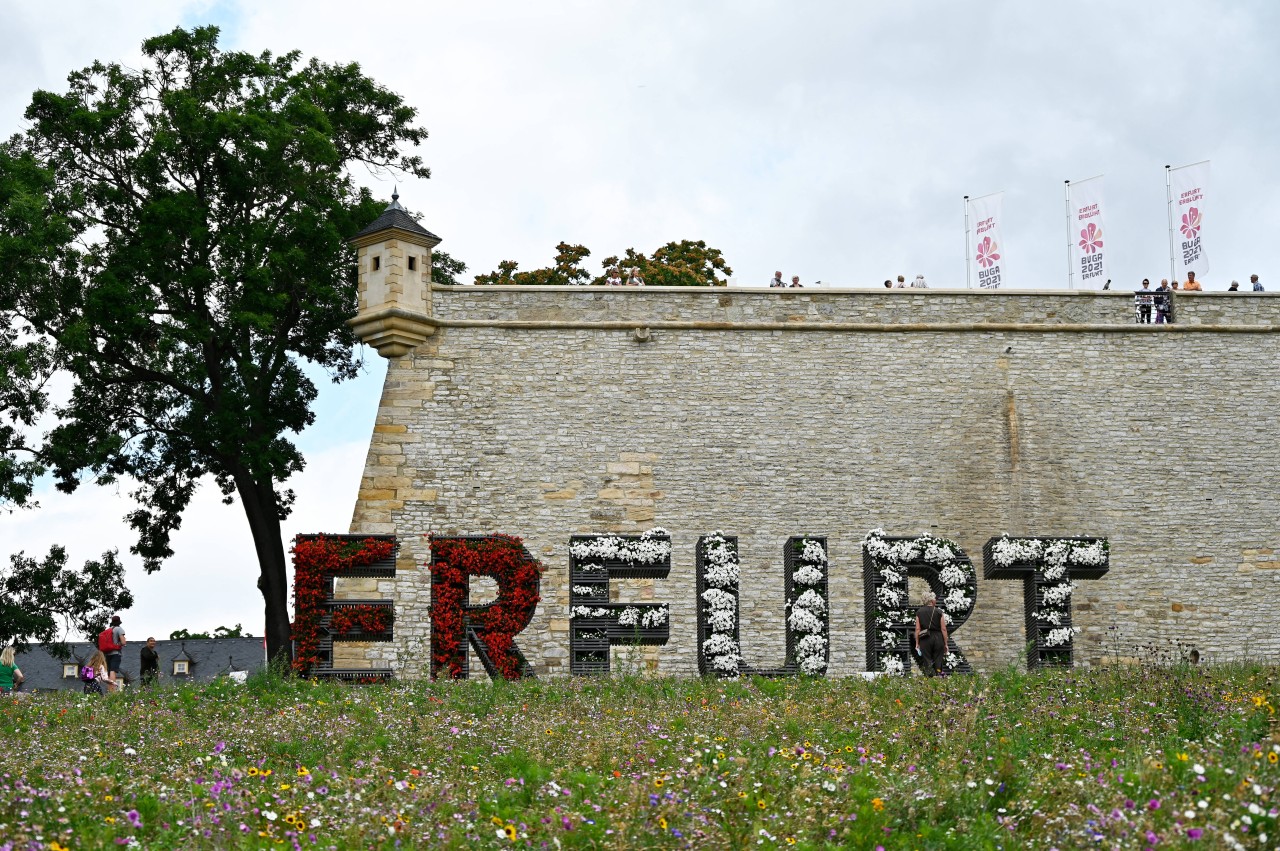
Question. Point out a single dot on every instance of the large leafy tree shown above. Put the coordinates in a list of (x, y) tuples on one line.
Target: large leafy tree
[(207, 198), (566, 271), (676, 264), (42, 600)]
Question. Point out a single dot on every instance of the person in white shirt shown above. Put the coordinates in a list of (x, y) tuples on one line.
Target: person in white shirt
[(901, 284), (777, 280), (919, 283), (615, 279)]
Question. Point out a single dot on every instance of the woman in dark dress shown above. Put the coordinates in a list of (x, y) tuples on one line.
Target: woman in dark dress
[(932, 644)]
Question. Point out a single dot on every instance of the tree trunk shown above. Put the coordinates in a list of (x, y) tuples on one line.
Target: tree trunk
[(262, 511)]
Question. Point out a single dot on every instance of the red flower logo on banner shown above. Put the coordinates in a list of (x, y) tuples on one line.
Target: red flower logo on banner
[(1191, 221), (988, 254), (1091, 239)]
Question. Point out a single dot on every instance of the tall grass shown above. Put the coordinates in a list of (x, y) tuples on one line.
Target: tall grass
[(1130, 757)]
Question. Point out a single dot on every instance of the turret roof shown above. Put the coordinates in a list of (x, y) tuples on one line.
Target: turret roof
[(396, 217)]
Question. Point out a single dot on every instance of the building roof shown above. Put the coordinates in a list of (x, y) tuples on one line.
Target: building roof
[(396, 217), (209, 658)]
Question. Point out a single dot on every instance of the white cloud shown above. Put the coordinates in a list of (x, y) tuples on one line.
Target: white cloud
[(835, 140)]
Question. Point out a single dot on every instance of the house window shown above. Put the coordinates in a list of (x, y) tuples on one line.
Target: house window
[(179, 668), (69, 671), (413, 264), (377, 262)]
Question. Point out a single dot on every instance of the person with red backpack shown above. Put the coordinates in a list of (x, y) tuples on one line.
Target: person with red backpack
[(111, 643)]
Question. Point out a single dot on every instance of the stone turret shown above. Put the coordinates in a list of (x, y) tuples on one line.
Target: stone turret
[(394, 259)]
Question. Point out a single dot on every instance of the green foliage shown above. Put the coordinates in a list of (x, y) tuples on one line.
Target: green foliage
[(676, 264), (32, 235), (220, 632), (1011, 760), (566, 272), (444, 269), (179, 231), (42, 600)]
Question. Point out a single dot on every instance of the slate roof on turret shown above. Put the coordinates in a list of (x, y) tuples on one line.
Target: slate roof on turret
[(396, 217)]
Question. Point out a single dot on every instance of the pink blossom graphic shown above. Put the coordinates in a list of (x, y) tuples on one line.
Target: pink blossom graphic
[(1191, 221), (987, 253), (1091, 239)]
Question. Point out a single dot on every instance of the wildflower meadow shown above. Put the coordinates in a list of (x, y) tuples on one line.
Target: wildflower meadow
[(1133, 757)]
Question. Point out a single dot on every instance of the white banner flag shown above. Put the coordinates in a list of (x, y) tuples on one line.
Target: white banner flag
[(1188, 187), (986, 243), (1088, 244)]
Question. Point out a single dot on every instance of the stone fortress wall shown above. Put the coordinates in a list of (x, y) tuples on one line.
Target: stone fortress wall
[(548, 412)]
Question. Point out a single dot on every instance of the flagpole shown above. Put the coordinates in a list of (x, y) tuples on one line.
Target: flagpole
[(1168, 205), (1070, 272), (968, 284)]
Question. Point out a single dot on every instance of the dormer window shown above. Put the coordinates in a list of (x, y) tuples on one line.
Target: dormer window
[(69, 670), (180, 668), (376, 262), (413, 264)]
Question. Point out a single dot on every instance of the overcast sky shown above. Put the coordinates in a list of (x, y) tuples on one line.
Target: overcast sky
[(832, 140)]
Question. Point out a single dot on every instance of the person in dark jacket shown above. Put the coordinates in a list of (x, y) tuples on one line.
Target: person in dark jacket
[(932, 643), (149, 663)]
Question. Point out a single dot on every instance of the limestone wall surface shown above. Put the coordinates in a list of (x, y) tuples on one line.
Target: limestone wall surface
[(548, 412)]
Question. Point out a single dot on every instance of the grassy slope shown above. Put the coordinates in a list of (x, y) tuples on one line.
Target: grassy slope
[(1065, 759)]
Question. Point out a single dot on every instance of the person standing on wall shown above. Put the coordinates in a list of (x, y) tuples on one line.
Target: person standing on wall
[(111, 643), (149, 663), (1145, 299), (1163, 294), (932, 643)]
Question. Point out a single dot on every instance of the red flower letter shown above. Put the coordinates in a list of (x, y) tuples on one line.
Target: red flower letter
[(491, 628)]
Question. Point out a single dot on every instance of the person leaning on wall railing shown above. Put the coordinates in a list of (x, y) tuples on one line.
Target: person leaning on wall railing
[(1192, 285), (1164, 302)]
